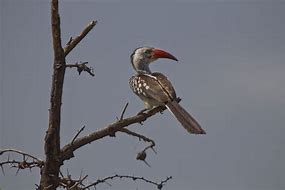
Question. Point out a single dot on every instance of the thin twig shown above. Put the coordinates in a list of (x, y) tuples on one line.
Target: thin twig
[(159, 185), (74, 41), (69, 41), (2, 151), (74, 138), (27, 161), (123, 112), (2, 169), (71, 184), (82, 66), (141, 137), (79, 182)]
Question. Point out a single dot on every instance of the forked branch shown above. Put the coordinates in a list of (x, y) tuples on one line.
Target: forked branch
[(67, 151)]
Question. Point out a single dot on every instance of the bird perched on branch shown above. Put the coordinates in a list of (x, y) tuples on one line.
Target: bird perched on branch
[(155, 89)]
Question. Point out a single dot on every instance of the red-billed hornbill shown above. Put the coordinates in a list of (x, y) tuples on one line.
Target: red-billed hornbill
[(155, 89)]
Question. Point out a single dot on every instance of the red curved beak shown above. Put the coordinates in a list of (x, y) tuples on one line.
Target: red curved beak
[(158, 53)]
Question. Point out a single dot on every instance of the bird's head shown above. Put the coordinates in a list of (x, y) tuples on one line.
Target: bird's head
[(143, 56)]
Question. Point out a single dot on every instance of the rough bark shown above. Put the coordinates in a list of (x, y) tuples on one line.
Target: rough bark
[(50, 171)]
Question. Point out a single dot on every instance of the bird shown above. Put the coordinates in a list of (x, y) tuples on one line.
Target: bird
[(154, 88)]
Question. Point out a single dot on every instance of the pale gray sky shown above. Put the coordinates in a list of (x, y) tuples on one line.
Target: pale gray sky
[(230, 77)]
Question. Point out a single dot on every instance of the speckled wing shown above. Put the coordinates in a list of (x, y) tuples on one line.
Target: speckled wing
[(165, 85), (154, 86)]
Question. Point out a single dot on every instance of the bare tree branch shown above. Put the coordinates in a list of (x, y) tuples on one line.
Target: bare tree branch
[(73, 42), (82, 67), (67, 151), (27, 161), (134, 178), (78, 184), (2, 151), (123, 112), (24, 164), (74, 138), (141, 137)]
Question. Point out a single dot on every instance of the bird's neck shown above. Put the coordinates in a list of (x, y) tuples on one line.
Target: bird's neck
[(144, 70), (141, 67)]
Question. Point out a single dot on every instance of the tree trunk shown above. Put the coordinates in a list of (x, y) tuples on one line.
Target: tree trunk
[(50, 171)]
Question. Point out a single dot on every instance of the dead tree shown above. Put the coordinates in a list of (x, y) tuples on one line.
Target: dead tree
[(55, 155)]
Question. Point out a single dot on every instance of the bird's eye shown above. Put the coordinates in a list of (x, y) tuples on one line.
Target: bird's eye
[(148, 51)]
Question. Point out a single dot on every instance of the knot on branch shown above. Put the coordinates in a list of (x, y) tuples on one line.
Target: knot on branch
[(142, 154)]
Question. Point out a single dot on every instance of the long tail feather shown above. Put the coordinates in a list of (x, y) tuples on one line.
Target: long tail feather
[(186, 120)]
